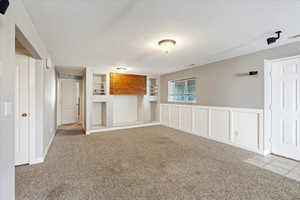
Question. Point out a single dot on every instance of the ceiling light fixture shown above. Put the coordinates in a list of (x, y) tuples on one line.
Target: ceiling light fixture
[(167, 45), (121, 69)]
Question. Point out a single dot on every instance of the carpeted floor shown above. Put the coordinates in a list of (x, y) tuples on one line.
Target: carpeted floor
[(156, 163)]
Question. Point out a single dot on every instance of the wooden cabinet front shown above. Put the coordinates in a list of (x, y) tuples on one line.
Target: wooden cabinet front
[(127, 84)]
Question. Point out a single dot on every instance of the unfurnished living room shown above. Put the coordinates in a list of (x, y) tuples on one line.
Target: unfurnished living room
[(150, 100)]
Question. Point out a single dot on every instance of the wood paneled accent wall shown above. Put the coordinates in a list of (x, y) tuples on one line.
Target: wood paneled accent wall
[(127, 84)]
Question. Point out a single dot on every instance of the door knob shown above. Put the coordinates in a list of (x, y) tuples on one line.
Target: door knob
[(24, 115)]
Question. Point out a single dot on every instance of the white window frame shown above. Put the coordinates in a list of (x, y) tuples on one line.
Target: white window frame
[(186, 82)]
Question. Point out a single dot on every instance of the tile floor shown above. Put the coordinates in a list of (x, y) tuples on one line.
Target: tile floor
[(276, 164)]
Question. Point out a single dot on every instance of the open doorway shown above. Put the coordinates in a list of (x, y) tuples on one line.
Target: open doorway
[(70, 106)]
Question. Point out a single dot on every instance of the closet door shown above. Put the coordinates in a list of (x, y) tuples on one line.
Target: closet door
[(22, 111)]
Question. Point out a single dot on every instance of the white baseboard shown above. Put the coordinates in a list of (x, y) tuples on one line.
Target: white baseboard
[(267, 152), (37, 161), (123, 127), (49, 144), (42, 159), (221, 141)]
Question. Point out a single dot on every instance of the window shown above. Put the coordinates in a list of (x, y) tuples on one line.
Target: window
[(182, 91)]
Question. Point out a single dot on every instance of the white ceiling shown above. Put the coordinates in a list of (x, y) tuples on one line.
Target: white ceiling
[(109, 33)]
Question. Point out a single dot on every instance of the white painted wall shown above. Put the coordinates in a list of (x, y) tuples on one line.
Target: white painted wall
[(49, 107), (16, 16), (7, 83), (125, 108), (39, 78), (45, 108)]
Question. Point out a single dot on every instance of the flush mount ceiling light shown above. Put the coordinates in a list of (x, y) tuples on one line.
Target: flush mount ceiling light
[(167, 45), (121, 69)]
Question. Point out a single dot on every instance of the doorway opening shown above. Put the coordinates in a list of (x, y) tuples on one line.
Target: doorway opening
[(70, 102)]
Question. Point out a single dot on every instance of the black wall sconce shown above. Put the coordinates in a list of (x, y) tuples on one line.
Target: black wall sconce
[(253, 73)]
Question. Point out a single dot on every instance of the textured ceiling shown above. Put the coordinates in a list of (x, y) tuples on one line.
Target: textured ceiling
[(108, 33)]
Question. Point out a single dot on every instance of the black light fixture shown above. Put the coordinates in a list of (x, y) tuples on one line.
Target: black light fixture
[(3, 6), (272, 40), (253, 73)]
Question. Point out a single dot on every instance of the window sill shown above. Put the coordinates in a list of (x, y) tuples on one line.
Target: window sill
[(183, 102)]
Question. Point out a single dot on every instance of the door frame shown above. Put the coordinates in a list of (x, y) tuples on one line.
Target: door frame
[(268, 101), (60, 96), (31, 109)]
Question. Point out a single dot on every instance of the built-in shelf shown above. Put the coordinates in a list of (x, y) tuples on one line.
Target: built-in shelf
[(99, 84), (153, 111), (108, 111), (153, 87), (99, 115)]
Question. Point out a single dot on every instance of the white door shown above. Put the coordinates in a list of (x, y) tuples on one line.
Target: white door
[(285, 108), (69, 101), (22, 111)]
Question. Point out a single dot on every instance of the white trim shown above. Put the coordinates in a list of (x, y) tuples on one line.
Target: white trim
[(283, 59), (32, 108), (123, 127), (249, 110), (267, 105), (37, 161), (42, 159), (49, 145)]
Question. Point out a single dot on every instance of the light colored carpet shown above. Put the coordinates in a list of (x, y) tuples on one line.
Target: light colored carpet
[(156, 163)]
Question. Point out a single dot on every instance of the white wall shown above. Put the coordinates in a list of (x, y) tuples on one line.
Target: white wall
[(45, 108), (39, 78), (125, 108), (7, 83), (49, 107), (16, 16)]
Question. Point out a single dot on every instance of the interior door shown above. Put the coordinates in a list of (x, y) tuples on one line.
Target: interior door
[(69, 101), (285, 108), (22, 109)]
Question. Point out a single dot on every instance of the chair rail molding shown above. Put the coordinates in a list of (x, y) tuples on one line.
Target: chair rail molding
[(240, 127)]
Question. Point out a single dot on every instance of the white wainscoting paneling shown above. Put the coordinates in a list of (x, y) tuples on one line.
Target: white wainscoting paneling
[(164, 114), (246, 129), (219, 125), (185, 114), (235, 126), (174, 116), (200, 121)]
